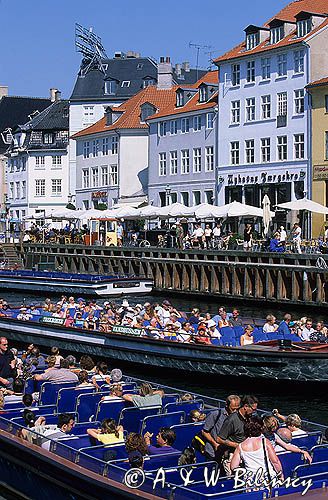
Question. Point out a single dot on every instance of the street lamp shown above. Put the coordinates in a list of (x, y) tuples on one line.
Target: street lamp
[(168, 193), (7, 204)]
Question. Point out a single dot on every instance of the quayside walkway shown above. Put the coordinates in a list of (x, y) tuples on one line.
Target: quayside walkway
[(253, 276)]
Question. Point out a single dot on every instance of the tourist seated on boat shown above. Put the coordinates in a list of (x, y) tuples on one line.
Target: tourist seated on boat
[(284, 326), (306, 331), (186, 397), (185, 333), (196, 416), (194, 318), (83, 378), (202, 336), (235, 319), (187, 457), (115, 393), (59, 312), (146, 397), (87, 363), (72, 364), (78, 320), (16, 394), (294, 423), (256, 452), (43, 432), (57, 375), (55, 352), (247, 338), (270, 325), (213, 331), (214, 422), (33, 310), (279, 438), (224, 321), (109, 433), (91, 322), (164, 311), (320, 334), (137, 322), (164, 441), (218, 316), (275, 244), (101, 374), (23, 315)]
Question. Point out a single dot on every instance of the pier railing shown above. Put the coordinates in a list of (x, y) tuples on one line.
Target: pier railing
[(290, 278)]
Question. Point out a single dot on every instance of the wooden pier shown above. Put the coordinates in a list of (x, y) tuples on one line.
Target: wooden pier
[(252, 276)]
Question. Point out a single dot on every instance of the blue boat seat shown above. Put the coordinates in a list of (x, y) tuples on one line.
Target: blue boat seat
[(185, 433), (81, 428), (109, 409), (289, 461), (320, 453), (66, 399), (76, 442), (317, 468), (86, 405), (91, 463), (259, 335), (153, 423), (131, 418), (174, 475), (227, 336), (49, 391), (186, 406), (51, 418), (312, 439), (239, 331), (169, 398), (105, 453), (63, 450), (223, 489)]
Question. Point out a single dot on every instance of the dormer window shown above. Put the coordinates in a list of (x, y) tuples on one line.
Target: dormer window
[(148, 81), (203, 93), (48, 138), (277, 33), (147, 110), (110, 87), (179, 99), (304, 27), (252, 40)]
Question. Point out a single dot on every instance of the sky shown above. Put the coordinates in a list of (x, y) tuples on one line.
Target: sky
[(37, 36)]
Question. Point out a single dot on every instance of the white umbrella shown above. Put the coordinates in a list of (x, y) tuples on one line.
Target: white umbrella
[(237, 209), (125, 213), (176, 210), (205, 211), (149, 212), (305, 204), (90, 214), (266, 214)]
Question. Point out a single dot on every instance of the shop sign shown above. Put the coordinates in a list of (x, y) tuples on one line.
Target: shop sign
[(99, 195), (51, 320), (320, 172), (127, 330), (264, 178)]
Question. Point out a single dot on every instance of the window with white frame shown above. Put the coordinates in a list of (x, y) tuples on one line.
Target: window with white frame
[(250, 151), (185, 125), (299, 146), (252, 40), (209, 120), (95, 147), (203, 93), (173, 162), (197, 160), (114, 144), (86, 149), (185, 161), (304, 27), (250, 109), (209, 158), (162, 164), (113, 175), (299, 101), (125, 84), (110, 87), (179, 99), (104, 175), (235, 74), (85, 178), (88, 114), (299, 61), (56, 187), (162, 129), (56, 161), (23, 189), (40, 187), (266, 68), (40, 161), (196, 198), (197, 123), (48, 138), (282, 64), (185, 198), (209, 197), (11, 190), (282, 104), (235, 112), (234, 153), (105, 146), (266, 106), (282, 147), (265, 149), (277, 34), (173, 127), (94, 177), (250, 72), (18, 189)]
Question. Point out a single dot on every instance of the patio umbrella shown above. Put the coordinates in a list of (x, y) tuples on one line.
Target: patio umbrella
[(90, 214), (304, 204), (149, 212), (266, 214), (237, 209), (176, 210)]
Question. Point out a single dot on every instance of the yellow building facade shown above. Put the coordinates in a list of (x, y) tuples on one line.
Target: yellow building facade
[(319, 103)]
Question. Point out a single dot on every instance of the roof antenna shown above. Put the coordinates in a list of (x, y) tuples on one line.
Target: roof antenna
[(92, 49), (198, 46)]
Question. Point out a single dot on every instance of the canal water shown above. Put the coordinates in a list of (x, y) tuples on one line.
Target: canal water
[(309, 401)]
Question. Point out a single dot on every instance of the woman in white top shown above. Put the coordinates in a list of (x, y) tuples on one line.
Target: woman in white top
[(270, 326), (247, 338), (257, 453)]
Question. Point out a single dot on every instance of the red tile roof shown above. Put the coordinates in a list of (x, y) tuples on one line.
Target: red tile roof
[(288, 13), (192, 105), (131, 111), (317, 83)]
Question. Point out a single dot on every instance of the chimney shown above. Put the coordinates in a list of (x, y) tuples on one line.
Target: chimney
[(53, 94), (165, 73), (3, 91), (57, 95), (178, 69), (109, 116), (186, 66)]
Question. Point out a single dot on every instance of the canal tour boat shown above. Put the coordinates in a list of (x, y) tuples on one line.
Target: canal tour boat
[(79, 284), (74, 467), (279, 359)]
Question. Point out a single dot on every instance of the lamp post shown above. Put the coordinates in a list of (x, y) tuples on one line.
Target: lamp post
[(7, 206), (168, 193)]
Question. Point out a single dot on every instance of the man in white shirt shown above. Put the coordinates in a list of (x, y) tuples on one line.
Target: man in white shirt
[(198, 234), (282, 235), (307, 330), (297, 237), (64, 426)]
